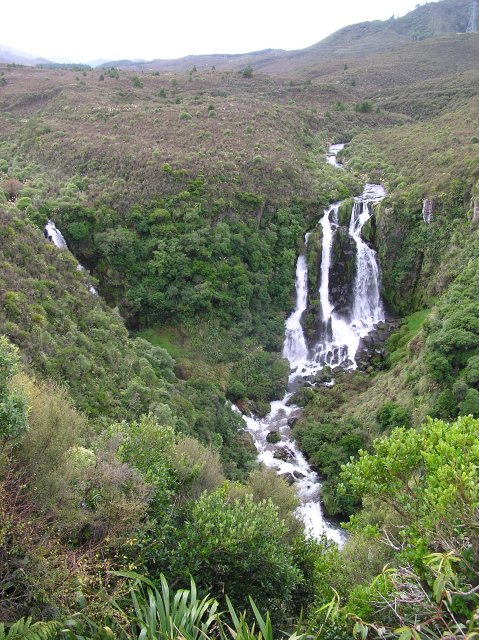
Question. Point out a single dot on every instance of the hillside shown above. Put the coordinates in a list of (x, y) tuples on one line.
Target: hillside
[(201, 203), (433, 19)]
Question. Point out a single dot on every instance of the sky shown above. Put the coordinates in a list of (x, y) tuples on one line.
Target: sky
[(147, 29)]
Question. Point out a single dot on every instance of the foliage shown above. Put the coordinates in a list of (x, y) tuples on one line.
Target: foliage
[(329, 443), (237, 541), (427, 476), (25, 629), (13, 413), (166, 614), (392, 415)]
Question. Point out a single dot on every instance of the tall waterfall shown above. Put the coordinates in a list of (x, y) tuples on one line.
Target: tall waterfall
[(337, 345), (295, 349), (340, 336)]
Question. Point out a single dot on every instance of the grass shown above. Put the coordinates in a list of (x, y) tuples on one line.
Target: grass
[(398, 342), (165, 337)]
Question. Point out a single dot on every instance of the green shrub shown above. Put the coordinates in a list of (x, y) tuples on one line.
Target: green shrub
[(392, 415), (364, 107)]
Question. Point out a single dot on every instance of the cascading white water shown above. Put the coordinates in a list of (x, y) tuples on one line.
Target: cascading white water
[(367, 306), (338, 346), (54, 235), (295, 349), (341, 336), (332, 155)]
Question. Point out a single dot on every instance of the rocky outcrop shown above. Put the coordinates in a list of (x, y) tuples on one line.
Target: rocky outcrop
[(283, 453), (427, 210), (289, 477), (313, 257), (343, 271), (368, 232), (372, 351), (273, 437), (475, 215)]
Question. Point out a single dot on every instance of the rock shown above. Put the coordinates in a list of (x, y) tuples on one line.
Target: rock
[(323, 376), (288, 477), (427, 210), (273, 437), (475, 216), (337, 370), (283, 453), (342, 272), (298, 475)]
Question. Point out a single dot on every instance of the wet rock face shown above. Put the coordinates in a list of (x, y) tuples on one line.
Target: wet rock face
[(343, 272), (368, 232), (372, 352), (427, 210), (475, 217), (289, 477)]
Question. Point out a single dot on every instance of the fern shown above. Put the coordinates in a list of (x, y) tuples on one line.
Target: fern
[(23, 629)]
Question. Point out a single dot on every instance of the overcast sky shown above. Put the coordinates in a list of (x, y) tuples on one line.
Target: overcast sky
[(91, 29)]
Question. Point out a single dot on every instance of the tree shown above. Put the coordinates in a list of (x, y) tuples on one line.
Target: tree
[(238, 545), (13, 411), (429, 477), (392, 415), (12, 188), (247, 72)]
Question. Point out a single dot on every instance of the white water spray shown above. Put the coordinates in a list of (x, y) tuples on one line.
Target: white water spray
[(54, 235), (337, 347)]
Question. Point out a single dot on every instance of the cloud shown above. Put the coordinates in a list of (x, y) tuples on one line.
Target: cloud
[(146, 29)]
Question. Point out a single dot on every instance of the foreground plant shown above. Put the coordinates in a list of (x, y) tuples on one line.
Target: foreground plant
[(152, 613)]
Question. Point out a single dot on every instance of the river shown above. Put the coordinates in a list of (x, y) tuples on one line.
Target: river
[(337, 346)]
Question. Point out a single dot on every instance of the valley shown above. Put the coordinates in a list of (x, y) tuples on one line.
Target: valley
[(239, 340)]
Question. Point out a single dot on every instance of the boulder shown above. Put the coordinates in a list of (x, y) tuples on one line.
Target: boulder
[(283, 453), (288, 477), (475, 215), (298, 475), (427, 210), (273, 437)]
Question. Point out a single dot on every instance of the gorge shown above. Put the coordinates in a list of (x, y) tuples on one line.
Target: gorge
[(338, 341)]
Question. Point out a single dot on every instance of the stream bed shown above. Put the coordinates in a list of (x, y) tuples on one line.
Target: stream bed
[(340, 336)]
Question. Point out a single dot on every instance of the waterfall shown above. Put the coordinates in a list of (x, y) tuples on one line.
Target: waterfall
[(367, 306), (340, 336), (332, 155), (295, 349), (337, 346), (54, 235)]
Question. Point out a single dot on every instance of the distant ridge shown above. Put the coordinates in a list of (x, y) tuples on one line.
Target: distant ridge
[(444, 17), (14, 56), (220, 60)]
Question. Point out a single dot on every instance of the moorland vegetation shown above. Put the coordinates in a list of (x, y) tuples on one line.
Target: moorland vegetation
[(131, 504)]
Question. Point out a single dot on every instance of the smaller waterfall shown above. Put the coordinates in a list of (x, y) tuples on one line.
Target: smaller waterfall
[(54, 235), (341, 336), (295, 349), (332, 155), (367, 307)]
